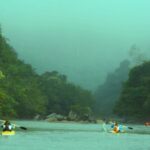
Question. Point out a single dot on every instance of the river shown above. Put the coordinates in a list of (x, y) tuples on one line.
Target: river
[(74, 136)]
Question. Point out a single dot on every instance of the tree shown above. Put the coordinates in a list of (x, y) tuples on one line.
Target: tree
[(135, 97)]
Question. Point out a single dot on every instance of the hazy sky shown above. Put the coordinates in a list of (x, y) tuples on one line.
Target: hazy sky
[(84, 39)]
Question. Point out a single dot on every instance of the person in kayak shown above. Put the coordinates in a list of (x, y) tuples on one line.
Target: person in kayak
[(116, 128), (7, 126)]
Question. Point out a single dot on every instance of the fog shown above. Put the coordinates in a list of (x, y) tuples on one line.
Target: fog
[(84, 39)]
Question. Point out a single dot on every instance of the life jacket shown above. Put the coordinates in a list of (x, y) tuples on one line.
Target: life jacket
[(116, 129), (7, 127)]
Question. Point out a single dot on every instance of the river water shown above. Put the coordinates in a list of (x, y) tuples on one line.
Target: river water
[(74, 136)]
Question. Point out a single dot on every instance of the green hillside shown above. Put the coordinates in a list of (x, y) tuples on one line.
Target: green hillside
[(24, 93)]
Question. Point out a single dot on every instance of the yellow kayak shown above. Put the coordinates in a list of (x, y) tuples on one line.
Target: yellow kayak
[(114, 132), (8, 133)]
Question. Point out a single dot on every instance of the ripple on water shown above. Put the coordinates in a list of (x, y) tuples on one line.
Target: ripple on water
[(73, 136)]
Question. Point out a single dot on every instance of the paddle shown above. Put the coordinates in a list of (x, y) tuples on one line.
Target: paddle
[(21, 127), (130, 128)]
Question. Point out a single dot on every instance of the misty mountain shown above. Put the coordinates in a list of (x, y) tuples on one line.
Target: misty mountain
[(108, 93), (24, 93), (76, 37)]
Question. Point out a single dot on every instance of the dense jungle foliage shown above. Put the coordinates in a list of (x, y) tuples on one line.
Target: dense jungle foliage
[(134, 100), (24, 93)]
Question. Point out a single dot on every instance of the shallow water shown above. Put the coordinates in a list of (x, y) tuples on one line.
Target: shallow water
[(74, 136)]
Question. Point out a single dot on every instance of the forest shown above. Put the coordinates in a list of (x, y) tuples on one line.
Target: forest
[(125, 93), (25, 93), (134, 100)]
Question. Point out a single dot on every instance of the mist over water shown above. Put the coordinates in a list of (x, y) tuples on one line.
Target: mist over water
[(83, 39)]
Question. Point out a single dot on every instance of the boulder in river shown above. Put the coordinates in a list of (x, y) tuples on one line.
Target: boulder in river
[(55, 117)]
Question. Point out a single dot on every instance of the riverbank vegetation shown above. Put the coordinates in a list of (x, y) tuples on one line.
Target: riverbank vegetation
[(134, 100)]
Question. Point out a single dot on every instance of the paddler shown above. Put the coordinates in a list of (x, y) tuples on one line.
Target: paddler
[(116, 128), (7, 126)]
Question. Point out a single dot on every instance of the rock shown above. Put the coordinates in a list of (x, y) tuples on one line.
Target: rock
[(55, 117), (37, 117), (51, 119), (72, 116)]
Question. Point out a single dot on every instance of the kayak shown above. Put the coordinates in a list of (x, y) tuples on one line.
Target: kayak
[(114, 132), (7, 133)]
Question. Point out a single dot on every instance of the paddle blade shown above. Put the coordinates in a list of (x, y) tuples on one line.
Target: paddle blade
[(24, 128)]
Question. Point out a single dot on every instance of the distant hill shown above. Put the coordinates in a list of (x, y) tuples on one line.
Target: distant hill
[(24, 93), (134, 101), (108, 93)]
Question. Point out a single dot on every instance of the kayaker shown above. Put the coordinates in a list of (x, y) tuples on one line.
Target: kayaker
[(116, 127), (7, 126)]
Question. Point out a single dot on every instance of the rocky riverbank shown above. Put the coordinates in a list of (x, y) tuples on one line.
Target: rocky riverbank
[(71, 117)]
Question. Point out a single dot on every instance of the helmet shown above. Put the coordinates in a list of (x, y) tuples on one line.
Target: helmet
[(7, 122)]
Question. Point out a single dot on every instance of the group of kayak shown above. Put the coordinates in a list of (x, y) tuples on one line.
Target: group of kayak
[(8, 128)]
